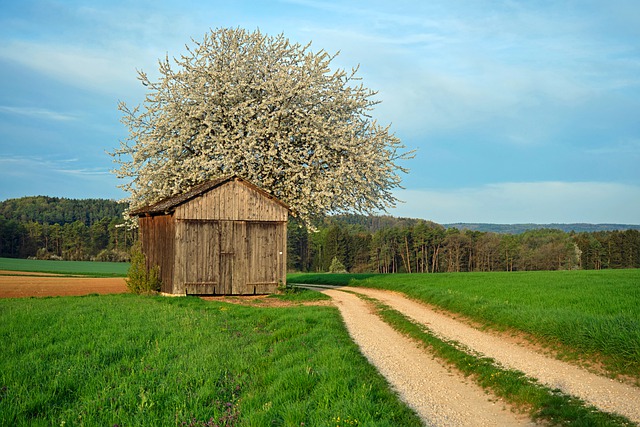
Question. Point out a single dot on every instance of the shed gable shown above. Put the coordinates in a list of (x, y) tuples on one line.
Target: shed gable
[(234, 200)]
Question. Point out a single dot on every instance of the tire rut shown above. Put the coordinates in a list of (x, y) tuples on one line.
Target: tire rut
[(441, 397), (604, 393)]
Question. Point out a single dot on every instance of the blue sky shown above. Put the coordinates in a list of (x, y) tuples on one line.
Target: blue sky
[(520, 111)]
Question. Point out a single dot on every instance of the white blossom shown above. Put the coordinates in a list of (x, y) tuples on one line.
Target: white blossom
[(243, 103)]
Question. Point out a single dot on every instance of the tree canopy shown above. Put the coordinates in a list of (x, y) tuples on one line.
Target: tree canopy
[(244, 103)]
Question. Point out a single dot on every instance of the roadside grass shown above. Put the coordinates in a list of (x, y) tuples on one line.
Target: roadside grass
[(542, 403), (334, 279), (295, 294), (149, 361), (71, 268), (586, 315)]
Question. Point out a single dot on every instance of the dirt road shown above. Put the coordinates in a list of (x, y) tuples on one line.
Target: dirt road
[(444, 398)]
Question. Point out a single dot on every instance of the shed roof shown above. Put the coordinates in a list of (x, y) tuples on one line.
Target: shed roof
[(169, 204)]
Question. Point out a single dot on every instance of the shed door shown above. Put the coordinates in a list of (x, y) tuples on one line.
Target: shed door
[(233, 249), (266, 259), (198, 258)]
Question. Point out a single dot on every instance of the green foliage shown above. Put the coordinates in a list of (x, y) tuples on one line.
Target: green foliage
[(56, 210), (336, 266), (401, 245), (83, 268), (140, 279), (338, 279), (293, 293), (112, 255), (588, 312), (91, 229), (63, 229), (149, 361)]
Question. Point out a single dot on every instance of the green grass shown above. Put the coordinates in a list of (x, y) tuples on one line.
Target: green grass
[(146, 361), (294, 294), (592, 314), (83, 268), (543, 404)]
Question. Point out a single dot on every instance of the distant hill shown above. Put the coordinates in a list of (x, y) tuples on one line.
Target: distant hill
[(56, 210), (373, 223), (521, 228)]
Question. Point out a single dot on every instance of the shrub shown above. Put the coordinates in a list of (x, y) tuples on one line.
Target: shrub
[(336, 266), (112, 255), (139, 279)]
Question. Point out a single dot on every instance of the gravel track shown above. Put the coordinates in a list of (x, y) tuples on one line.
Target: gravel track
[(439, 396), (378, 343)]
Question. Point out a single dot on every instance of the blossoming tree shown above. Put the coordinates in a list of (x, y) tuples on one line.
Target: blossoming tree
[(244, 103)]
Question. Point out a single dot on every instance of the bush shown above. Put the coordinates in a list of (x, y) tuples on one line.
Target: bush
[(44, 254), (336, 266), (139, 279), (112, 255)]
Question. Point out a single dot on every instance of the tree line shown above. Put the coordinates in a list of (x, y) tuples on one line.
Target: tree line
[(93, 229), (66, 229), (392, 245)]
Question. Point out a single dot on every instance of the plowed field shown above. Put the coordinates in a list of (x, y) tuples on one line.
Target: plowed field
[(21, 285)]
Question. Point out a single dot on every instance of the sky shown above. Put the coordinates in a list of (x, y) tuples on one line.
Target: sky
[(519, 111)]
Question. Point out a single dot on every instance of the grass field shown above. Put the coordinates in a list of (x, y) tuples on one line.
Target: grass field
[(84, 268), (149, 361), (594, 313)]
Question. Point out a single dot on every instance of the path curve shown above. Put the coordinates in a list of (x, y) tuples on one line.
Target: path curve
[(604, 393), (439, 396)]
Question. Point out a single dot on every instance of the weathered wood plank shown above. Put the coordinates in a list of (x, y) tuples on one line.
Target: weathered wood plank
[(233, 201), (228, 240), (203, 288)]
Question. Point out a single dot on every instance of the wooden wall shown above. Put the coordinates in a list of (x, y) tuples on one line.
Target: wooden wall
[(266, 256), (197, 251), (157, 238), (229, 241), (229, 257), (232, 201)]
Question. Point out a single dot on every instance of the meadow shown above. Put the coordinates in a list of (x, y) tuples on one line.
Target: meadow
[(149, 361), (587, 314), (141, 360), (81, 268)]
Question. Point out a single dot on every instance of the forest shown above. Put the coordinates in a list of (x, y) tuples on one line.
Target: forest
[(93, 229), (64, 229), (384, 244)]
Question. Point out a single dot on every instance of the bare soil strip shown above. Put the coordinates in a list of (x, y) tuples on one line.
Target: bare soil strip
[(28, 273), (604, 393), (439, 396), (37, 286)]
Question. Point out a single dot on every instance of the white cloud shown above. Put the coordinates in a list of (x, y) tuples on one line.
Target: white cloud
[(38, 113), (629, 146), (527, 202), (22, 165), (84, 171), (103, 71)]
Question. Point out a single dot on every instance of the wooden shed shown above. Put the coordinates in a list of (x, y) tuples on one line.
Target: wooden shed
[(223, 237)]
